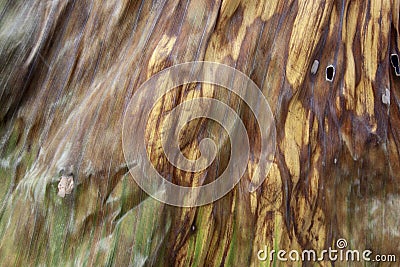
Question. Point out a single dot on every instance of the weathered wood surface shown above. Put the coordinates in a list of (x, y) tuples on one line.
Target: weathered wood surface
[(69, 68)]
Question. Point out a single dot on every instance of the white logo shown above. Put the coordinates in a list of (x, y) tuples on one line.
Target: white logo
[(151, 92)]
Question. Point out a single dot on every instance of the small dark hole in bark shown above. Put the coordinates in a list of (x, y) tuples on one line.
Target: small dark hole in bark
[(394, 59), (330, 73)]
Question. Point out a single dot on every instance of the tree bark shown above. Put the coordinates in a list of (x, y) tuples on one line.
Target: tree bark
[(69, 68)]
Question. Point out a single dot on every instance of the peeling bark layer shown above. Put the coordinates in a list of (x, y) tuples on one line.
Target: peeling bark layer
[(69, 68)]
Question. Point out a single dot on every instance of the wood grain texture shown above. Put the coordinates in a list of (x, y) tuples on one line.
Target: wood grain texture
[(69, 68)]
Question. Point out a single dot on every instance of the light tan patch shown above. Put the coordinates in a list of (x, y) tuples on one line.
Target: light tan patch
[(296, 135), (308, 26)]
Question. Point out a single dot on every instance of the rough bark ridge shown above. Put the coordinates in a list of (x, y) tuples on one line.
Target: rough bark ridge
[(69, 68)]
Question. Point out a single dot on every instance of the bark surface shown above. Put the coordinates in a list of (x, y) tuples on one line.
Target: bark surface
[(69, 68)]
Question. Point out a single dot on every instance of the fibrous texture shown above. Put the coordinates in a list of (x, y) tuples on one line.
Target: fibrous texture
[(69, 68)]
